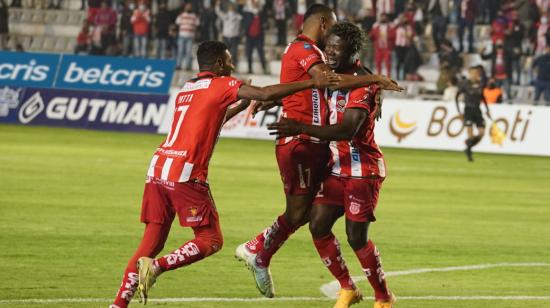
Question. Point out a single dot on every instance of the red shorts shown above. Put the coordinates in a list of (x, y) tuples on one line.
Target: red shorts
[(190, 200), (302, 165), (358, 196)]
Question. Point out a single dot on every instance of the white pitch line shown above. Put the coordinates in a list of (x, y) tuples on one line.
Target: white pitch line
[(331, 289), (263, 299)]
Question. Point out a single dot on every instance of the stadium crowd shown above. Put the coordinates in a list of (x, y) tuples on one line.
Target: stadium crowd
[(508, 36)]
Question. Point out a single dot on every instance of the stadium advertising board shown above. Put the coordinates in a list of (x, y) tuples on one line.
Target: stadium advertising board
[(82, 109), (85, 72), (429, 125)]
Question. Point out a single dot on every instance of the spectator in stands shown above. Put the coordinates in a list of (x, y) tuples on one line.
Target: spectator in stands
[(439, 12), (543, 5), (404, 35), (413, 60), (163, 19), (4, 26), (126, 30), (280, 11), (513, 40), (501, 66), (488, 10), (299, 8), (450, 64), (466, 20), (141, 18), (83, 39), (492, 92), (254, 22), (208, 29), (383, 37), (542, 35), (188, 22), (93, 7), (541, 67), (498, 27), (231, 29), (386, 7), (173, 40), (105, 26)]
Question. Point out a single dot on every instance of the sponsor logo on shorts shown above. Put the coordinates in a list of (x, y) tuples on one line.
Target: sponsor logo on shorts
[(193, 215)]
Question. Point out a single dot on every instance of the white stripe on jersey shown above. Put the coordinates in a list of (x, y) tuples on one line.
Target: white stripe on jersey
[(186, 172), (166, 169), (333, 113), (335, 157), (381, 168), (355, 161), (151, 171)]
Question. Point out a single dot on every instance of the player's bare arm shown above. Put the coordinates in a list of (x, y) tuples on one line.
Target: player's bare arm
[(351, 82), (274, 92), (353, 120)]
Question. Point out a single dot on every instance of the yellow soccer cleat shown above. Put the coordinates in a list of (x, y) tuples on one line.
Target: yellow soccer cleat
[(347, 298), (386, 304), (148, 274)]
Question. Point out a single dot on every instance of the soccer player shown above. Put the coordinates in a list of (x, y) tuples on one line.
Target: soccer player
[(472, 92), (301, 158), (357, 170), (177, 176)]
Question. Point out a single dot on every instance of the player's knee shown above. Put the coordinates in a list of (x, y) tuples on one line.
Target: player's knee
[(211, 244), (357, 240), (318, 229)]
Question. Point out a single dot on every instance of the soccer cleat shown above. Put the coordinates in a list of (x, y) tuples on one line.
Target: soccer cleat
[(386, 304), (469, 155), (242, 253), (347, 298), (147, 276), (262, 276)]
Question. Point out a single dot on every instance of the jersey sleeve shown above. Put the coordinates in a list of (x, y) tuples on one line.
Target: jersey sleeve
[(307, 55), (228, 87), (361, 98)]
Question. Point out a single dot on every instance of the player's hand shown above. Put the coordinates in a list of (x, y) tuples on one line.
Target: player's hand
[(285, 128), (389, 84), (262, 106), (326, 80)]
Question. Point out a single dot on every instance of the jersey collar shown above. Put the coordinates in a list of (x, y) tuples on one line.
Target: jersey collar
[(206, 74), (302, 37)]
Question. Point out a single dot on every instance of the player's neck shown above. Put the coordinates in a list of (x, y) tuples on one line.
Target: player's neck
[(310, 35)]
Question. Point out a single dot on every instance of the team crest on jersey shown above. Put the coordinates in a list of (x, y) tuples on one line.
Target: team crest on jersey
[(340, 102)]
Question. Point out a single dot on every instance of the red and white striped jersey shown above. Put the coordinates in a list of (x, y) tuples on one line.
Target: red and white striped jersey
[(360, 157), (307, 106), (200, 110)]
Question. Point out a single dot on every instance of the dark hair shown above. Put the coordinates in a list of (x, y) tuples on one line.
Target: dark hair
[(317, 8), (209, 52), (351, 34)]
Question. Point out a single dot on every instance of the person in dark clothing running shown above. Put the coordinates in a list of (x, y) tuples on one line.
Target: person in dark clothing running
[(471, 91)]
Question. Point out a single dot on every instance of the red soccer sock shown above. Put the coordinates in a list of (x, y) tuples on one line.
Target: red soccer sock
[(153, 239), (329, 251), (369, 257), (275, 236), (257, 243)]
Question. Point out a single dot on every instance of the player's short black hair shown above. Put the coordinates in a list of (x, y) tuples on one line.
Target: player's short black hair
[(354, 36), (209, 52), (317, 8)]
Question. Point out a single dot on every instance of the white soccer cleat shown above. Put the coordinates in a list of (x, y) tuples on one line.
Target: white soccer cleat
[(242, 253), (262, 276)]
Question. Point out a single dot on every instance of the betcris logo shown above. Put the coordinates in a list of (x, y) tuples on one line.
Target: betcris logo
[(115, 74), (27, 69)]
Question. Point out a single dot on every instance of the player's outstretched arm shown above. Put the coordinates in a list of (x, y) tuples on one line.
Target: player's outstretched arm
[(353, 120), (278, 91), (352, 82)]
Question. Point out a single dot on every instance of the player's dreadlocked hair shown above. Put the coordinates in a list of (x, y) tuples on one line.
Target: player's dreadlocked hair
[(209, 52), (351, 34)]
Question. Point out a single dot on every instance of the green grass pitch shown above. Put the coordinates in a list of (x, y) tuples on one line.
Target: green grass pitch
[(69, 221)]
